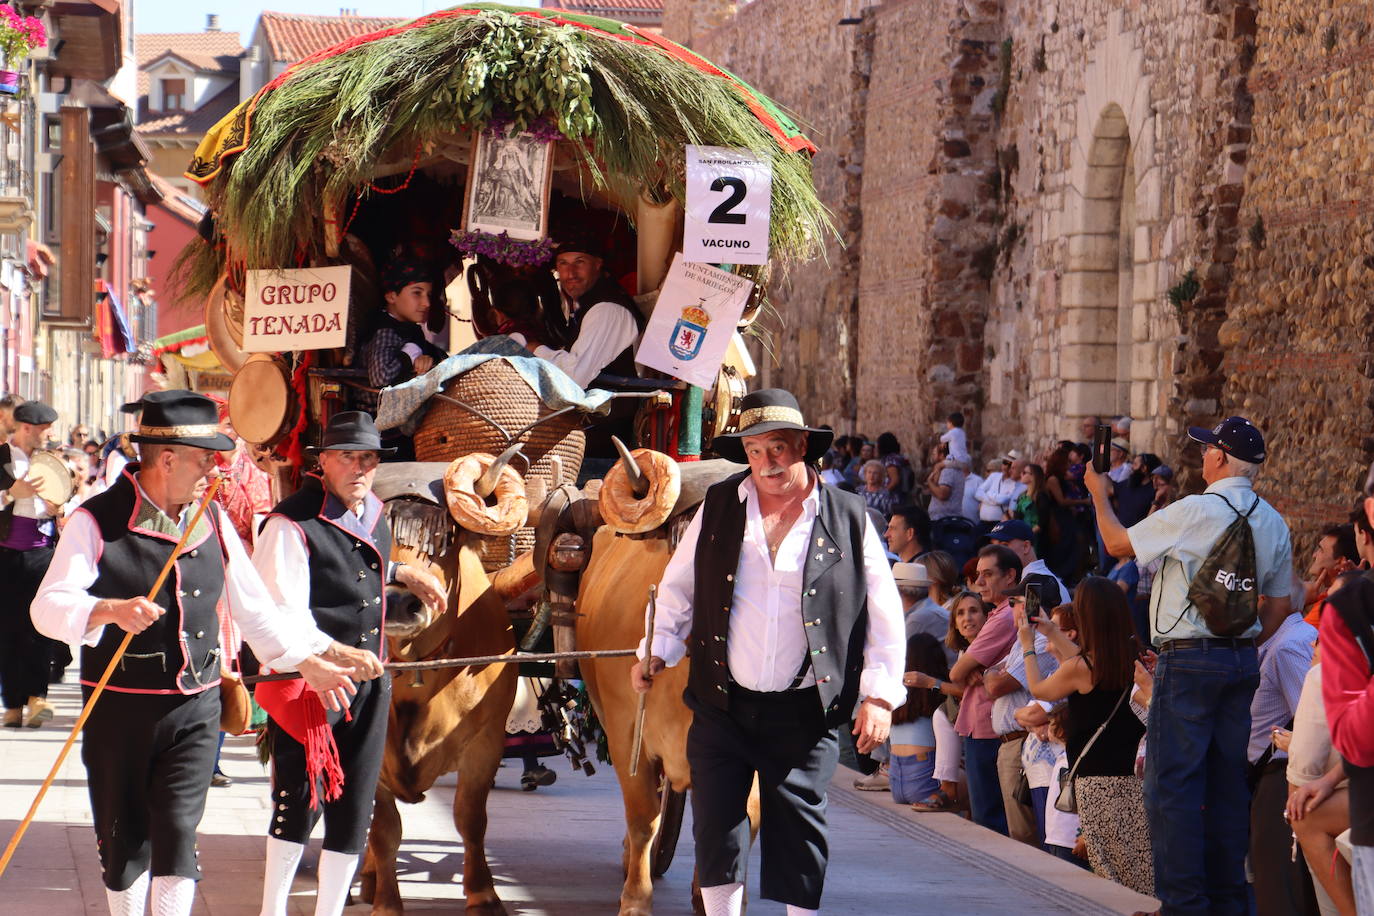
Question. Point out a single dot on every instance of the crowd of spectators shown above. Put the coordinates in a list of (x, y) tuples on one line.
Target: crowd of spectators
[(1218, 769)]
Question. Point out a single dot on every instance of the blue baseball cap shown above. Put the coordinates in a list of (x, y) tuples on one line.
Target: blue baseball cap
[(1235, 436), (1011, 530)]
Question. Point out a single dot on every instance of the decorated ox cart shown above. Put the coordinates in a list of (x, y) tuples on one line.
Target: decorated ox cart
[(474, 140)]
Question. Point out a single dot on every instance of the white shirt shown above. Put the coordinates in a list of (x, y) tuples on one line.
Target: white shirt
[(62, 608), (996, 495), (766, 643), (971, 509), (1184, 532), (282, 559), (607, 329)]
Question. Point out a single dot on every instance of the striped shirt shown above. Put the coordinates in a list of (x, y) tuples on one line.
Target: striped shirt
[(1284, 660)]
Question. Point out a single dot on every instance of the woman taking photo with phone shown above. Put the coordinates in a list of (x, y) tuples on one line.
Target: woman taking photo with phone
[(1102, 733)]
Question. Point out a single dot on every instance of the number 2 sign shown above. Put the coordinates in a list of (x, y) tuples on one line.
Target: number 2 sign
[(729, 194)]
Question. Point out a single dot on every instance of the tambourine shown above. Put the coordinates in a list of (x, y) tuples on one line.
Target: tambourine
[(262, 404), (52, 477)]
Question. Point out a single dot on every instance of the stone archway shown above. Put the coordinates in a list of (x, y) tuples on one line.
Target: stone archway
[(1109, 354)]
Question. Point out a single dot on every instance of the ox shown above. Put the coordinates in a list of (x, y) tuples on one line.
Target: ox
[(610, 604), (447, 720)]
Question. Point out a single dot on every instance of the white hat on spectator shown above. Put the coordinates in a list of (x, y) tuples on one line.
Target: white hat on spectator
[(912, 575)]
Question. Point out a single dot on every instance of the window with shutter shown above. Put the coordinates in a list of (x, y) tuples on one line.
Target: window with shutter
[(173, 95)]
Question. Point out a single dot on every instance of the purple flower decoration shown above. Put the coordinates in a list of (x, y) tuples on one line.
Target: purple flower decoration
[(544, 128), (504, 249)]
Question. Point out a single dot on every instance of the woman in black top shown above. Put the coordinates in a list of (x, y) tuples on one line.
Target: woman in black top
[(1096, 678)]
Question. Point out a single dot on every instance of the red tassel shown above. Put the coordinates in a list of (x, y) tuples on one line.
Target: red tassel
[(321, 754)]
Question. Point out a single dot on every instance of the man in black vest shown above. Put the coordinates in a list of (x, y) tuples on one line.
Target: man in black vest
[(325, 553), (27, 534), (595, 332), (599, 324), (781, 592), (150, 743)]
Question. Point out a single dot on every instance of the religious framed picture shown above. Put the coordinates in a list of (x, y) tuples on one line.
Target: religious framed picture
[(508, 186)]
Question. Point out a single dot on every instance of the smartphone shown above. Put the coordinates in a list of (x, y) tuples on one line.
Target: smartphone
[(1033, 602), (1102, 445)]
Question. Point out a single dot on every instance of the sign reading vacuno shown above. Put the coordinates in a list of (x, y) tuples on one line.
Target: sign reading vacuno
[(305, 309), (729, 202)]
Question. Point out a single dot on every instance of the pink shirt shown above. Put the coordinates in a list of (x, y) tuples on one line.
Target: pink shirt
[(988, 648)]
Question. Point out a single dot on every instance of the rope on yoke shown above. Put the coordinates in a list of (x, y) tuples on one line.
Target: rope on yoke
[(508, 658), (105, 679)]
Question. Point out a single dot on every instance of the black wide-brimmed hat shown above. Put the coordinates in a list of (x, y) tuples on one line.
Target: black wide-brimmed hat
[(582, 241), (765, 411), (180, 417), (35, 412), (354, 431)]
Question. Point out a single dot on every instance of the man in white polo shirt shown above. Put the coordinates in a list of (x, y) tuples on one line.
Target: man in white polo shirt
[(1195, 787)]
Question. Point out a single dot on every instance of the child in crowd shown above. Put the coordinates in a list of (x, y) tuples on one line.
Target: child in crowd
[(1061, 828), (912, 764), (957, 440)]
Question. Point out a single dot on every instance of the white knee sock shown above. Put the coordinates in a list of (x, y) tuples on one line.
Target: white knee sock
[(277, 873), (800, 911), (723, 899), (336, 877), (173, 895), (129, 902)]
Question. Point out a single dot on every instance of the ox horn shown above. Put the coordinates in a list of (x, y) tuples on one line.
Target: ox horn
[(638, 481), (487, 482)]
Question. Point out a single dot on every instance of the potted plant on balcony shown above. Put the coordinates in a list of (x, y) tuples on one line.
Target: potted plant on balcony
[(18, 36)]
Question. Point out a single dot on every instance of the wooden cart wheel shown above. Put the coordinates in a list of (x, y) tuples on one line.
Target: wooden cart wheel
[(670, 810)]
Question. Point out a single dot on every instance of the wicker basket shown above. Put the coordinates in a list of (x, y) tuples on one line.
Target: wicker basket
[(501, 407)]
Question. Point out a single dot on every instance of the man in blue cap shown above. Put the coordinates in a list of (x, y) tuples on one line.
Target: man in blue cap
[(1196, 794), (1017, 535)]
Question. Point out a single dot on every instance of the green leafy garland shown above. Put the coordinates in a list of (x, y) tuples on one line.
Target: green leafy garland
[(629, 110)]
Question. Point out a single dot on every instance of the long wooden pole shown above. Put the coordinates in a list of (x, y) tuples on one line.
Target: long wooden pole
[(104, 679), (430, 664), (643, 697)]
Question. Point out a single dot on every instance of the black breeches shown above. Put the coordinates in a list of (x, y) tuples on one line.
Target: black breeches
[(784, 739), (361, 741), (149, 759), (25, 654)]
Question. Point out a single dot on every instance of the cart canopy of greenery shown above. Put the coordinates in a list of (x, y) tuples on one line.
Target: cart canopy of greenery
[(625, 102)]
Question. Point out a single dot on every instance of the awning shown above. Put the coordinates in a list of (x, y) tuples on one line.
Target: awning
[(190, 347)]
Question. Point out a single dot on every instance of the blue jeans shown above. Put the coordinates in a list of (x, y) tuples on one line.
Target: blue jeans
[(1362, 876), (984, 789), (911, 780), (1196, 795), (1039, 799)]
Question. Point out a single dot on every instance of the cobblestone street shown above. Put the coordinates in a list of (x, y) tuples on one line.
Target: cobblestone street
[(555, 852)]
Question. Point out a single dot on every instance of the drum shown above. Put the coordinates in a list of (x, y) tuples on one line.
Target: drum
[(262, 404), (224, 325), (52, 477), (724, 402)]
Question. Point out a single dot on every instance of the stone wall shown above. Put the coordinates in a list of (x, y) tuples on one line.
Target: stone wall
[(1299, 333), (1050, 211)]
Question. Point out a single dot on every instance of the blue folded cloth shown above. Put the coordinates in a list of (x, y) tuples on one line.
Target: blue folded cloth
[(403, 406)]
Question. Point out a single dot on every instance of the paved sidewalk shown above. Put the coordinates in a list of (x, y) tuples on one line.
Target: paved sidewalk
[(555, 852)]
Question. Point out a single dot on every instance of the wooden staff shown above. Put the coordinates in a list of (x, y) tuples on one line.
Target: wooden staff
[(506, 659), (104, 679), (643, 697)]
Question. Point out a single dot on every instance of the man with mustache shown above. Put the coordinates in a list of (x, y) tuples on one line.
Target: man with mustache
[(781, 589), (150, 743)]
